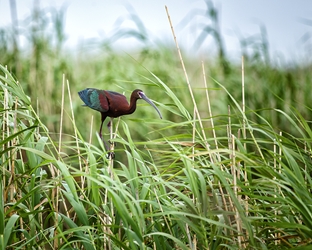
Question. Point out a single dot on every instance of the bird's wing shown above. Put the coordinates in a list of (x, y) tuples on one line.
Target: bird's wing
[(95, 99), (117, 102)]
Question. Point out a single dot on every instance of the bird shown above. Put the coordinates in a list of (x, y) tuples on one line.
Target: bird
[(112, 104)]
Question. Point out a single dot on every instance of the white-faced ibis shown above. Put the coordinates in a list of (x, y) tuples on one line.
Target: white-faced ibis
[(112, 104)]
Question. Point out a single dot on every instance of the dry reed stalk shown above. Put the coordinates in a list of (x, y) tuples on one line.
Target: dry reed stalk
[(229, 135), (57, 171), (193, 135), (13, 155), (91, 132), (209, 110), (196, 113), (233, 172), (7, 130), (229, 131), (110, 172), (214, 136), (62, 116), (277, 168), (189, 84), (275, 191), (76, 136), (235, 168), (244, 131), (112, 136), (243, 102)]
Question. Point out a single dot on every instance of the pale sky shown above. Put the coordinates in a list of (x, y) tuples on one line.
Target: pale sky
[(283, 20)]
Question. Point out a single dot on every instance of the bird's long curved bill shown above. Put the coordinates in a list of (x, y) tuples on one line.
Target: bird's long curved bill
[(144, 97)]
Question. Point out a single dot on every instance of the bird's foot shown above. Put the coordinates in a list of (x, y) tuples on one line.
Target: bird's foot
[(110, 155), (112, 143)]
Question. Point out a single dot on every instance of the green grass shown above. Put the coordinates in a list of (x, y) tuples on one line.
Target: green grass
[(178, 191), (225, 169)]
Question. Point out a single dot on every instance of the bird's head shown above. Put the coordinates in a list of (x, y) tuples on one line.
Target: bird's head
[(140, 95)]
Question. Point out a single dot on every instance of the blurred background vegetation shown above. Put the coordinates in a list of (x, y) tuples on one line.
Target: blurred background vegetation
[(41, 61)]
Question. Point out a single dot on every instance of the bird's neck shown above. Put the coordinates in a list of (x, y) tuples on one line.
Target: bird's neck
[(132, 105)]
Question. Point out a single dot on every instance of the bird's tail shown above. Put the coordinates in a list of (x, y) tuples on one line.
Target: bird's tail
[(83, 94)]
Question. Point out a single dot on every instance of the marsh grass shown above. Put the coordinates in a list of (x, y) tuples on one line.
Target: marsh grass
[(184, 191), (229, 166)]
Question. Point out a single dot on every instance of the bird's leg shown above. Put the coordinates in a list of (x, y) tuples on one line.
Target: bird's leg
[(110, 155), (105, 144), (109, 125), (103, 117), (107, 148)]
